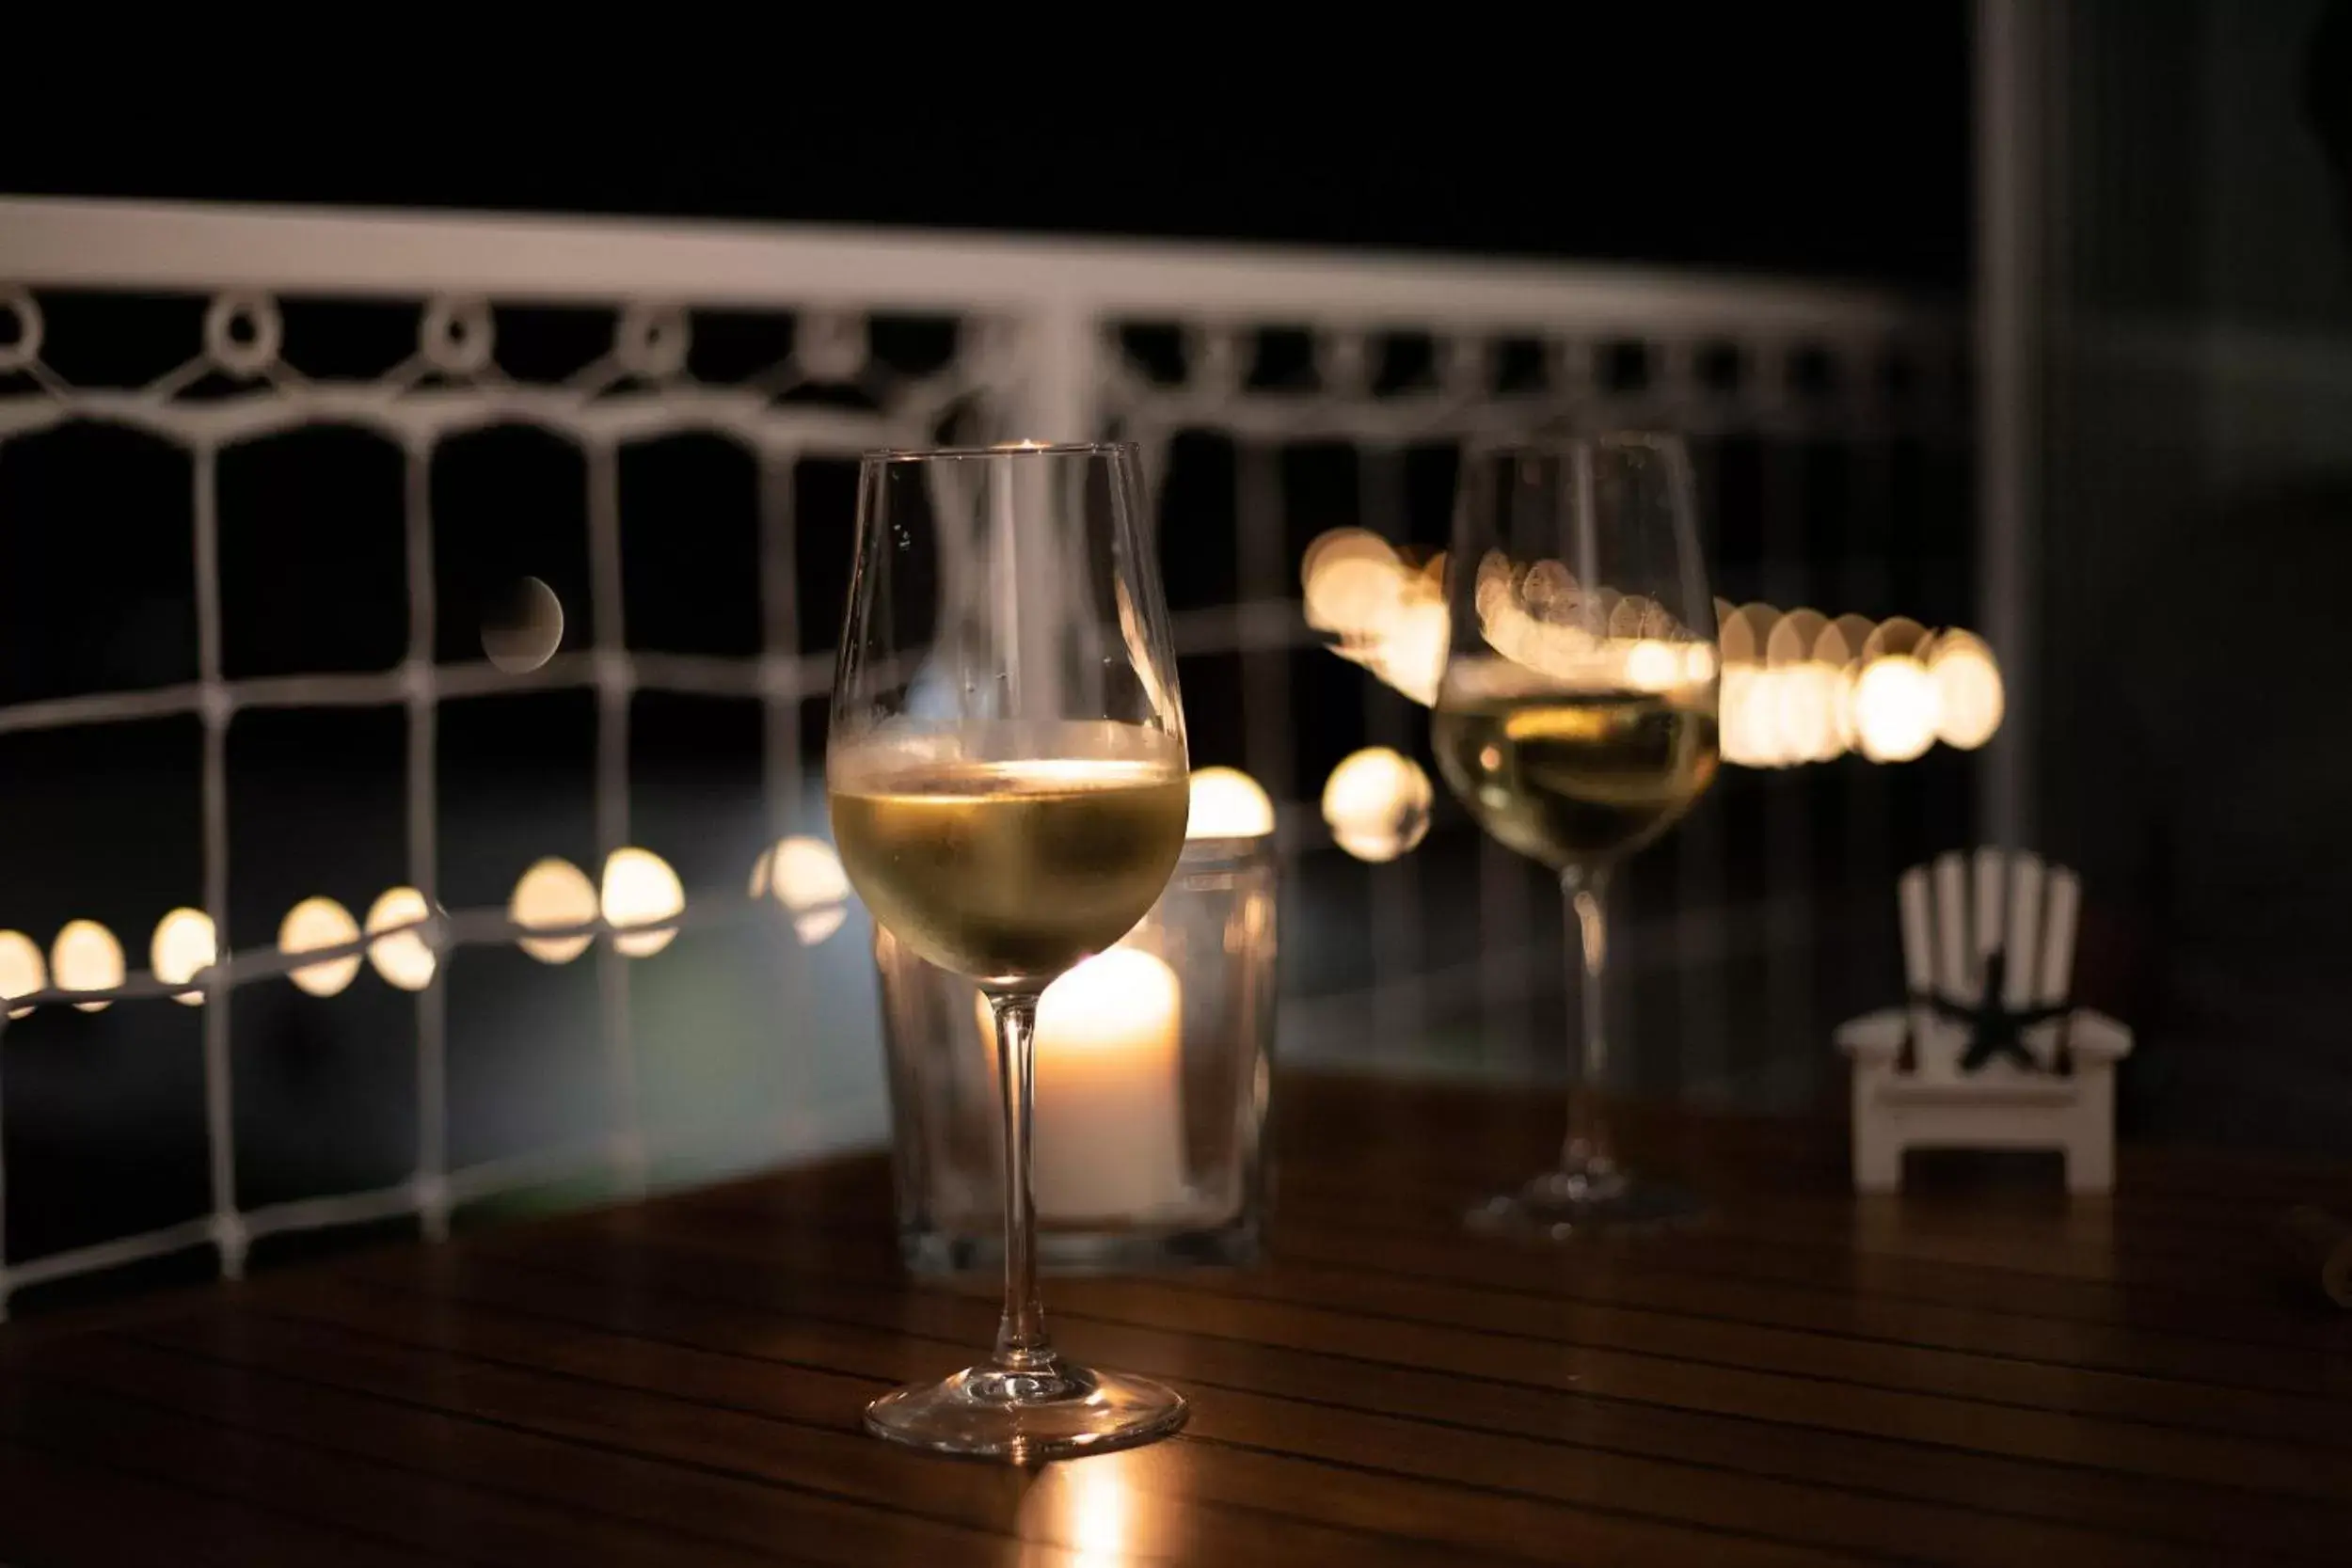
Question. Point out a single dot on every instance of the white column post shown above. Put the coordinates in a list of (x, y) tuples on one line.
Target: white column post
[(2011, 148)]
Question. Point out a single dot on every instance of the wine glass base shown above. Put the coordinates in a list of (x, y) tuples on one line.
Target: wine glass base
[(1026, 1417), (1562, 1205)]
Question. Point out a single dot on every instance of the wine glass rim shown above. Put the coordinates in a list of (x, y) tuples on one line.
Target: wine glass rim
[(1000, 449)]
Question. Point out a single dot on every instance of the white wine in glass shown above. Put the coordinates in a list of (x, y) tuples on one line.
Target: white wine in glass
[(1574, 778), (1008, 870), (1577, 720), (1007, 777)]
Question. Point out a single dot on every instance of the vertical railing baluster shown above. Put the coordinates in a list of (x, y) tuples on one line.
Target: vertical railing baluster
[(615, 682), (424, 819), (1702, 874), (1398, 950), (216, 706), (1266, 698), (785, 770), (1785, 925)]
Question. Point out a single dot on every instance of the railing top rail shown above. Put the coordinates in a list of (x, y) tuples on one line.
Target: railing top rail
[(77, 242)]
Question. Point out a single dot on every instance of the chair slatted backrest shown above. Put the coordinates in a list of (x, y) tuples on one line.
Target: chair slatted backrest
[(1959, 913)]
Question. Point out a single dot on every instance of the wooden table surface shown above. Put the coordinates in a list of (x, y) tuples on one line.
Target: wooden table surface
[(1981, 1372)]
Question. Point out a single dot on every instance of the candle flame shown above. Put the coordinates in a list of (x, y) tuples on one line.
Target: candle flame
[(1116, 986)]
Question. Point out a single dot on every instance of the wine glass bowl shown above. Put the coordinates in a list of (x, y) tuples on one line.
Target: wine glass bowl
[(1006, 771), (1576, 721), (1008, 852)]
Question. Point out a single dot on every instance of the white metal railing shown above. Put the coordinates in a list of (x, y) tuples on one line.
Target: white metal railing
[(1039, 352)]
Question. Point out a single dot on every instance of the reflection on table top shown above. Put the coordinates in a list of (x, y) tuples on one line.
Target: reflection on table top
[(1981, 1372)]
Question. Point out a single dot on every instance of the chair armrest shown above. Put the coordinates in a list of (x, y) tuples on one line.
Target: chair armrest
[(1874, 1037), (2093, 1035)]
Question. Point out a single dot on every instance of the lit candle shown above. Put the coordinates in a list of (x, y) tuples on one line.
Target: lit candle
[(1107, 1140)]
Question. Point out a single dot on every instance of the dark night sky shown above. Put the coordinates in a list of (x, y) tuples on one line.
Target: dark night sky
[(1824, 139)]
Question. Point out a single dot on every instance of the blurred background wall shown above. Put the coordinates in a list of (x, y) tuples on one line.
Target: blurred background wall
[(2194, 324)]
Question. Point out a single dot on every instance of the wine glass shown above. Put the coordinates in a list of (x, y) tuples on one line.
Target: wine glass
[(1007, 777), (1576, 719)]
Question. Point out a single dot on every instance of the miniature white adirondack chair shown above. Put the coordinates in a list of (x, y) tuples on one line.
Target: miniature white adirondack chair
[(1915, 1086)]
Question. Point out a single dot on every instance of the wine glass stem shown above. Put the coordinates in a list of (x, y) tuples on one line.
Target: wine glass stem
[(1022, 1346), (1587, 1149)]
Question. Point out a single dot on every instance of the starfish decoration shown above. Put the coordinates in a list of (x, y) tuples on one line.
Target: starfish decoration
[(1993, 1030)]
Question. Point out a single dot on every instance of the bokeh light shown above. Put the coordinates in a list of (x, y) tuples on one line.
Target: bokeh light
[(1802, 691), (1228, 803), (1748, 732), (807, 880), (1377, 803), (1797, 685), (184, 944), (522, 628), (554, 894), (1897, 634), (312, 924), (1651, 665), (1893, 708), (404, 960), (1742, 634), (640, 889), (86, 956), (1343, 544), (1805, 701), (1794, 637), (1352, 583), (1849, 739), (1842, 642), (1494, 592), (1383, 612), (1639, 618), (1547, 591), (22, 970), (1409, 652), (1969, 696)]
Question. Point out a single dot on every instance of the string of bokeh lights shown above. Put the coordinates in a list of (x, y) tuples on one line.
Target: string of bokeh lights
[(555, 914), (1798, 685)]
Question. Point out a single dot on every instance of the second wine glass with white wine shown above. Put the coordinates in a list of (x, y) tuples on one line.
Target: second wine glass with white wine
[(1007, 775), (1577, 720)]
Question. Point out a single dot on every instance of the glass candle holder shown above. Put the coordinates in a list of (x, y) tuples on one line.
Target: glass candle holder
[(1151, 1087)]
